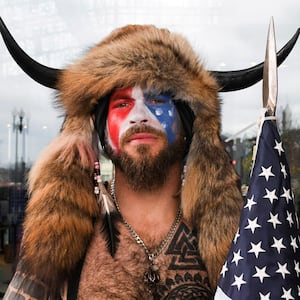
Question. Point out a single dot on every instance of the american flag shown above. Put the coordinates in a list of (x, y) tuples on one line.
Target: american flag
[(264, 260)]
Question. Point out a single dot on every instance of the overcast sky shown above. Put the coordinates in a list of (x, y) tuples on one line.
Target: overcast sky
[(227, 35)]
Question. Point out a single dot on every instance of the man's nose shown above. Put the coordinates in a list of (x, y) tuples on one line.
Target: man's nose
[(140, 115), (139, 121)]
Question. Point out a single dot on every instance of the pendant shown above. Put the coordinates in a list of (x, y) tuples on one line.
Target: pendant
[(151, 277)]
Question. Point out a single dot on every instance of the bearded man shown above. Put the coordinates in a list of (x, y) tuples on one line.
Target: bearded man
[(161, 229), (144, 138)]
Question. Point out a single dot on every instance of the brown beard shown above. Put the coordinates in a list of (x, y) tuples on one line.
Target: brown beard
[(147, 172)]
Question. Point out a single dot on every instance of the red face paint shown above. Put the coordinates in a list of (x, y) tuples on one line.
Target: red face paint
[(120, 105)]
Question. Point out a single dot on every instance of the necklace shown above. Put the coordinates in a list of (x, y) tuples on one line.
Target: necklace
[(151, 276)]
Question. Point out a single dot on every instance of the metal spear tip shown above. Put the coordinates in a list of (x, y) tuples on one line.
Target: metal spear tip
[(270, 80)]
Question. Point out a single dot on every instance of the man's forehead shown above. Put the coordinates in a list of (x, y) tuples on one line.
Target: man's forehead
[(137, 91), (121, 92)]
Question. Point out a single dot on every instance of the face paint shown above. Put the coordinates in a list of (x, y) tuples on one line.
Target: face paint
[(131, 107), (164, 110)]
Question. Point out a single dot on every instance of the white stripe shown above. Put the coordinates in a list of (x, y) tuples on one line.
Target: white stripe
[(219, 295)]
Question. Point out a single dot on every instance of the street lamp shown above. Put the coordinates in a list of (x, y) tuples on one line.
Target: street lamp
[(18, 127), (17, 198)]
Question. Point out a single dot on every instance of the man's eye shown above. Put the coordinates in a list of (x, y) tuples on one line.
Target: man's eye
[(121, 103), (157, 101), (124, 104)]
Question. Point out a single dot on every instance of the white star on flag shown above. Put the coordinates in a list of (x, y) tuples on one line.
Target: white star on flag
[(283, 170), (270, 195), (256, 249), (237, 257), (237, 235), (224, 269), (278, 244), (238, 281), (274, 220), (266, 172), (286, 194), (287, 294), (250, 202), (294, 243), (264, 297), (278, 147), (289, 218), (261, 273), (252, 225), (282, 269), (297, 268)]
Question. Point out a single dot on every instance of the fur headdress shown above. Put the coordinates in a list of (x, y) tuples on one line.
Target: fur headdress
[(62, 208)]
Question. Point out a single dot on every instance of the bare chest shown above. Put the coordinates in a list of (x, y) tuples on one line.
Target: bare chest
[(181, 271)]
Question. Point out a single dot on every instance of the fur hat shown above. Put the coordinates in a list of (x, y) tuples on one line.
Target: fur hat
[(62, 208), (156, 58)]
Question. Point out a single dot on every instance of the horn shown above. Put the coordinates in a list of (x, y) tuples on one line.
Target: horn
[(228, 80), (40, 73), (240, 79)]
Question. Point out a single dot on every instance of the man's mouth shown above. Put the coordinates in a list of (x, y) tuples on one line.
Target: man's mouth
[(142, 137)]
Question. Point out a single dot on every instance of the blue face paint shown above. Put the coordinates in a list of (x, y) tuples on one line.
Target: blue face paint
[(163, 108)]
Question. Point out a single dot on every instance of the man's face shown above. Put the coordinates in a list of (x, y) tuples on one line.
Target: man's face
[(137, 118), (144, 136)]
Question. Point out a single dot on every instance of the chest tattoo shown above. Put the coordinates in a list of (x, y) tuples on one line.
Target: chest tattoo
[(187, 276)]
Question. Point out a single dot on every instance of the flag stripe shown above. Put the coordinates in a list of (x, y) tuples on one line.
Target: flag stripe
[(220, 295)]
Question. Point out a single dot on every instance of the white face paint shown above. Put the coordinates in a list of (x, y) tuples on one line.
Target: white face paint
[(140, 113)]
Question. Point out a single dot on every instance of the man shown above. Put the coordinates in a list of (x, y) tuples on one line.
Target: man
[(162, 228), (159, 257)]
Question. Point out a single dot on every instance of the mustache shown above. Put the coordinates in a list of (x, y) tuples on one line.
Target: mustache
[(141, 129)]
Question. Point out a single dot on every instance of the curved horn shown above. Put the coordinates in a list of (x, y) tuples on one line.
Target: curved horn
[(240, 79), (40, 73), (228, 80)]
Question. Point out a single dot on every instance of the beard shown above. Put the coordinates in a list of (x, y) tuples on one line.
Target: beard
[(147, 171)]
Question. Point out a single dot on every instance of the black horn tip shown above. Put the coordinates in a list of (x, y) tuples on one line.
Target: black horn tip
[(40, 73), (240, 79)]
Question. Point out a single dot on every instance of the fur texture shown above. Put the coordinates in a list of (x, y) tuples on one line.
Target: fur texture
[(130, 264), (59, 221), (62, 207)]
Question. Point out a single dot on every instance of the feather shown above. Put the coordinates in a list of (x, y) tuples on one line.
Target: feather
[(108, 209), (110, 229)]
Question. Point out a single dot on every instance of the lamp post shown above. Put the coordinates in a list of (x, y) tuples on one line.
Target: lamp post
[(18, 128)]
